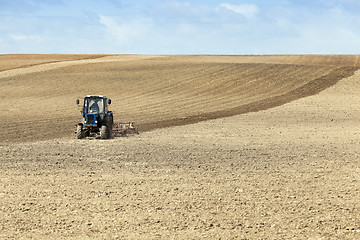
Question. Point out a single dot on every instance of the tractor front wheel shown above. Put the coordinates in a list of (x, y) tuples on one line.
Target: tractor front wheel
[(80, 132)]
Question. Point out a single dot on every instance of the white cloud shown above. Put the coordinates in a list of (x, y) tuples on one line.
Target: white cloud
[(247, 10), (124, 32), (22, 37)]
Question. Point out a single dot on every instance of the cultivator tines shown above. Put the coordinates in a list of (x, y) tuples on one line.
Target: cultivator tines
[(122, 129)]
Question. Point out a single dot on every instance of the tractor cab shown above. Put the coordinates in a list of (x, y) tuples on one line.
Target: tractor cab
[(95, 104), (95, 109)]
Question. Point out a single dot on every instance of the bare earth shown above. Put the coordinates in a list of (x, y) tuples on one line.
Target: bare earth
[(271, 152)]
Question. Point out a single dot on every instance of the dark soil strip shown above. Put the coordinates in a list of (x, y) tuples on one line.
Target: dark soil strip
[(311, 88)]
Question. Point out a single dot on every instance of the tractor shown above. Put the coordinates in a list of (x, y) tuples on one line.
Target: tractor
[(96, 118)]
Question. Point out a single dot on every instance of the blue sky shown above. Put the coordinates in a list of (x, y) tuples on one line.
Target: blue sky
[(180, 27)]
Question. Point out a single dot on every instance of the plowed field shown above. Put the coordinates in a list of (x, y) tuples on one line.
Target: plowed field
[(232, 147), (155, 91)]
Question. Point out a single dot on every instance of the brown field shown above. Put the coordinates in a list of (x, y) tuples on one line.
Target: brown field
[(232, 147), (156, 91)]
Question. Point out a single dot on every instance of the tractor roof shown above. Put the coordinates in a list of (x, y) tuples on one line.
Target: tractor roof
[(95, 96)]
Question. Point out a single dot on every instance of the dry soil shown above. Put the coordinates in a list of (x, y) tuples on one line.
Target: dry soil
[(272, 151)]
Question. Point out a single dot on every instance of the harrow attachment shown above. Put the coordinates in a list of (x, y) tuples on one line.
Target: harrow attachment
[(123, 129)]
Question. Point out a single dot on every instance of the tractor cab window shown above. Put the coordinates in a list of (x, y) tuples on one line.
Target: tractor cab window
[(94, 105)]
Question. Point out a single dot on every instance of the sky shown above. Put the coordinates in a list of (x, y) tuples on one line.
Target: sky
[(180, 27)]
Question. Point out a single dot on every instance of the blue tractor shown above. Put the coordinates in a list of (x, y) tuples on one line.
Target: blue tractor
[(96, 118)]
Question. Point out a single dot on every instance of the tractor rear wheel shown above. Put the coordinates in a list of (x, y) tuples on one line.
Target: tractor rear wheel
[(80, 132), (110, 133), (104, 132)]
